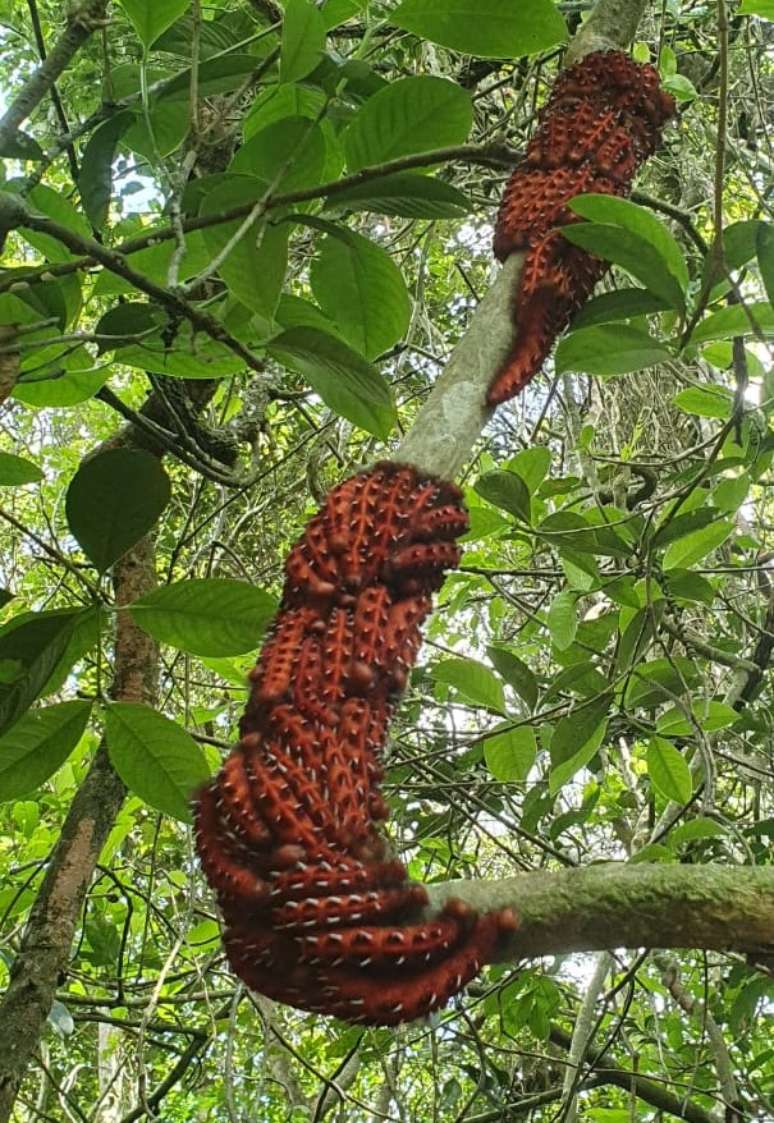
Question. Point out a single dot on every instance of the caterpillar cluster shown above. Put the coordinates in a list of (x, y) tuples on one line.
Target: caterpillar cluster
[(602, 121), (316, 912)]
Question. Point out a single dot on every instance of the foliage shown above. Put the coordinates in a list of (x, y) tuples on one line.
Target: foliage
[(241, 237)]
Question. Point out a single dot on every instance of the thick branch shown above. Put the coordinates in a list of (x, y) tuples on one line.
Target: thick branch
[(81, 23), (720, 908)]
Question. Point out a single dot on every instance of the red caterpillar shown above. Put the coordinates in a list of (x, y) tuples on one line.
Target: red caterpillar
[(602, 121), (316, 914)]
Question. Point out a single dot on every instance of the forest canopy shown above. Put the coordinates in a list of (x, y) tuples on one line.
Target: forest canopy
[(247, 253)]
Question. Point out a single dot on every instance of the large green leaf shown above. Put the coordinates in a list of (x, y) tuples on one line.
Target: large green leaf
[(562, 619), (510, 754), (668, 771), (705, 401), (38, 745), (405, 194), (54, 205), (348, 384), (608, 350), (155, 757), (303, 40), (693, 547), (472, 680), (95, 181), (506, 490), (113, 500), (641, 222), (410, 115), (736, 320), (359, 286), (286, 155), (576, 740), (152, 17), (622, 304), (210, 616), (764, 244), (631, 252), (489, 28), (31, 646), (279, 102)]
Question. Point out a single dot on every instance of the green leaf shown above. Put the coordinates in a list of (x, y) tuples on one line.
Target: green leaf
[(510, 754), (516, 673), (487, 28), (683, 584), (609, 350), (344, 380), (659, 680), (736, 321), (359, 286), (38, 745), (151, 17), (255, 267), (410, 115), (531, 464), (639, 221), (709, 715), (762, 8), (506, 490), (288, 155), (631, 252), (472, 680), (113, 501), (576, 740), (669, 773), (681, 86), (95, 181), (622, 304), (764, 244), (31, 646), (693, 547), (131, 319), (279, 102), (54, 205), (562, 619), (694, 830), (705, 401), (211, 616), (155, 757), (303, 40), (405, 194), (15, 470), (730, 493), (682, 525)]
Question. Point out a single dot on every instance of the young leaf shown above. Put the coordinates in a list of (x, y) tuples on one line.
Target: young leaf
[(303, 40), (487, 28), (155, 757), (510, 754), (38, 745), (344, 380), (410, 115), (669, 773), (16, 470), (211, 616), (113, 500), (359, 286), (472, 680)]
